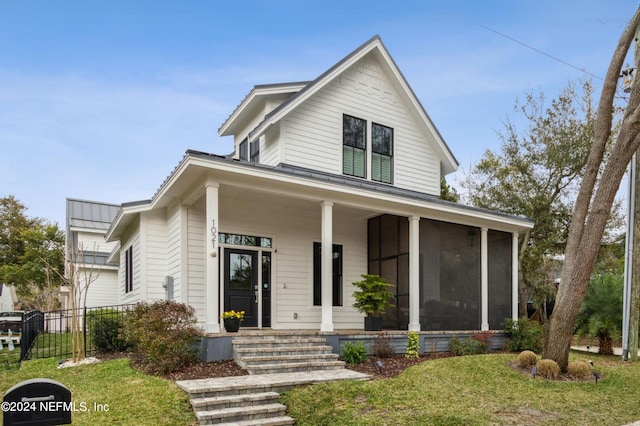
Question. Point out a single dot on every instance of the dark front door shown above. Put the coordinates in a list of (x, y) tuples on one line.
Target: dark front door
[(241, 284)]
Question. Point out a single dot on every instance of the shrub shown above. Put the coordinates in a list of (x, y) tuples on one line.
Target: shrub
[(354, 352), (467, 346), (527, 359), (525, 334), (105, 329), (413, 345), (580, 369), (484, 338), (548, 368), (163, 334), (382, 345)]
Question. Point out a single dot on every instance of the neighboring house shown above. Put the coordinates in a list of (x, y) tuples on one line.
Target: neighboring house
[(349, 161), (8, 298), (87, 225)]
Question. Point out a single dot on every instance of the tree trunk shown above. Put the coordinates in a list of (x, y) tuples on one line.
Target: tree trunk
[(605, 344), (592, 211)]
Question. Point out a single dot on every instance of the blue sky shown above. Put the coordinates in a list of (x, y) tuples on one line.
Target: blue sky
[(100, 100)]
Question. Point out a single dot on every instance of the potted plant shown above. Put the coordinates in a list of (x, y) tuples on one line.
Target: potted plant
[(232, 320), (372, 299)]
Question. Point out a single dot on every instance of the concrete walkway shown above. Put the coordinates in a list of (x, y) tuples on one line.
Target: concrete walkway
[(278, 380), (594, 349)]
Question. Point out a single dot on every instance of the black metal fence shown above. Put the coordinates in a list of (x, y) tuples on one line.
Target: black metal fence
[(48, 334)]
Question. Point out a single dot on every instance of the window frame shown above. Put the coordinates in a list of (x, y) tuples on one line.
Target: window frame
[(350, 142), (243, 150), (380, 155), (128, 270), (254, 151), (337, 280)]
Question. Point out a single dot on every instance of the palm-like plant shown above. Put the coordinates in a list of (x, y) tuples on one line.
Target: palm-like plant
[(601, 312)]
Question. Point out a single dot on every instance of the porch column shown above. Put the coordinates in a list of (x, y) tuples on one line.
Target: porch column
[(514, 277), (484, 279), (414, 273), (212, 289), (327, 266)]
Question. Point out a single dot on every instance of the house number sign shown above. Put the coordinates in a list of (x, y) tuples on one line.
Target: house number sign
[(214, 237)]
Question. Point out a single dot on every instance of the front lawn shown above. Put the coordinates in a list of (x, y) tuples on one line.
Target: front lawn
[(113, 392), (474, 390)]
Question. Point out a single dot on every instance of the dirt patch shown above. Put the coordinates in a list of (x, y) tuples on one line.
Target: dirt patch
[(391, 367)]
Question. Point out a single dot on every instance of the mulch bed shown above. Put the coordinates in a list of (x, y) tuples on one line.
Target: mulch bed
[(391, 367)]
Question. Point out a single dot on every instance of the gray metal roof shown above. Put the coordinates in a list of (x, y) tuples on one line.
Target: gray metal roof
[(90, 214), (352, 182)]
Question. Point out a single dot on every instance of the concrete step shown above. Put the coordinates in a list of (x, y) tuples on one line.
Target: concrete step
[(238, 414), (231, 401), (295, 367), (241, 385), (242, 342), (283, 350), (250, 361), (269, 421)]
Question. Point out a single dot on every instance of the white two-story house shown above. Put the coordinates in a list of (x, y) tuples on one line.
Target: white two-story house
[(330, 179)]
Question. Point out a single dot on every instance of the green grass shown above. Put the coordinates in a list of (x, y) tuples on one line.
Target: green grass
[(474, 390), (132, 397)]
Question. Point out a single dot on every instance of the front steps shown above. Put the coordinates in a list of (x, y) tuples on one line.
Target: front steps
[(271, 354), (253, 399), (276, 363)]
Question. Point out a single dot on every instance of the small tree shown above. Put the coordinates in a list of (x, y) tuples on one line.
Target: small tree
[(79, 274), (374, 296), (601, 312)]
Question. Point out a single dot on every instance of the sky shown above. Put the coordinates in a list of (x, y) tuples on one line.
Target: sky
[(100, 100)]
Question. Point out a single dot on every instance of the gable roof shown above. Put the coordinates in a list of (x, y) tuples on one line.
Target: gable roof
[(375, 45), (252, 101), (196, 166)]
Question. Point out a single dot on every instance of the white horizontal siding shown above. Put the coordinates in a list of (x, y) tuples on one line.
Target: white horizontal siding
[(92, 241), (196, 261), (156, 251), (174, 252), (133, 296), (294, 230), (312, 134), (104, 290)]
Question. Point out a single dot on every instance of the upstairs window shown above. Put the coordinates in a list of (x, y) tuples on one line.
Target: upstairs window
[(354, 146), (243, 153), (254, 147), (381, 153)]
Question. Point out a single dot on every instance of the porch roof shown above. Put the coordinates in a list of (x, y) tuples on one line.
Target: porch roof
[(186, 184)]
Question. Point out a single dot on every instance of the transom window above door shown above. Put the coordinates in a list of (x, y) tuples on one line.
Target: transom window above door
[(356, 145)]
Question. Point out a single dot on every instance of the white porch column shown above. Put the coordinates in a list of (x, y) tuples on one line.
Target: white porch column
[(484, 279), (327, 266), (514, 277), (414, 273), (212, 288)]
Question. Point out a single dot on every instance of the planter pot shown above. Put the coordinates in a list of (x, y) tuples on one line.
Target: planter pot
[(232, 325), (372, 323)]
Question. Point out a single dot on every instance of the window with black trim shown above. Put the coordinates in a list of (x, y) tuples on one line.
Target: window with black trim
[(354, 146), (381, 153), (254, 155), (128, 270), (317, 274), (243, 153)]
